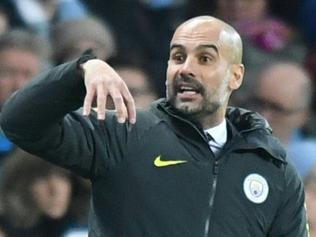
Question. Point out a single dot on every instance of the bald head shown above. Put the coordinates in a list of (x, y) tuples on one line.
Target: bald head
[(228, 38)]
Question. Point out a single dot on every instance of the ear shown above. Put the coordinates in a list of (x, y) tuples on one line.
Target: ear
[(237, 75)]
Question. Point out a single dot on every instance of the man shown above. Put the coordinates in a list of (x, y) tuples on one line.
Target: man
[(22, 56), (283, 94), (73, 37), (162, 175)]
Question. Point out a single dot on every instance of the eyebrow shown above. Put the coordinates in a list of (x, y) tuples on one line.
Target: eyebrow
[(211, 46), (174, 46)]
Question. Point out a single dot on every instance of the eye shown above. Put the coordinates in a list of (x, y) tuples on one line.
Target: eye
[(178, 57), (205, 59)]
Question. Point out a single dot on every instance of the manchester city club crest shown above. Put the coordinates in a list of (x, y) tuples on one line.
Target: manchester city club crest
[(256, 188)]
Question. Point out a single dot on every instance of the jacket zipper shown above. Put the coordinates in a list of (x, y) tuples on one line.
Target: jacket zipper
[(215, 175), (212, 197)]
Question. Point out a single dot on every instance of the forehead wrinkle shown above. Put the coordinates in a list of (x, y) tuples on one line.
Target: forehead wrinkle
[(198, 39), (227, 38)]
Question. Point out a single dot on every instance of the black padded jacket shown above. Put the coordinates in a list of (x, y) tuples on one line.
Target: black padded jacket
[(159, 178)]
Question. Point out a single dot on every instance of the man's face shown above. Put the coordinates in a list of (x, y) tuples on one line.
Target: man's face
[(198, 73), (16, 68), (52, 194), (276, 97)]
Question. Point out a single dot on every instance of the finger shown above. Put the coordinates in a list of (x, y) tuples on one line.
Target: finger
[(101, 101), (120, 107), (131, 108), (88, 100)]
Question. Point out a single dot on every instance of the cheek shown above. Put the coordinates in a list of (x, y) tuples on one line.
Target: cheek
[(65, 191), (213, 80), (6, 84), (169, 72), (170, 76), (40, 193)]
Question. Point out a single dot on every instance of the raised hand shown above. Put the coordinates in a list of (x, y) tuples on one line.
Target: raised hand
[(102, 81)]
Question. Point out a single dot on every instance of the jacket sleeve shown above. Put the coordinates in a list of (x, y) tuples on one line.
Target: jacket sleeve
[(291, 220), (40, 119)]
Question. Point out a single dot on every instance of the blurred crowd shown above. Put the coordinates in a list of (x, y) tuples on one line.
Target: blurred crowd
[(39, 199)]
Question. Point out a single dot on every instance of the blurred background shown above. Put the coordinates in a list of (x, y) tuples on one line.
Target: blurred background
[(39, 199)]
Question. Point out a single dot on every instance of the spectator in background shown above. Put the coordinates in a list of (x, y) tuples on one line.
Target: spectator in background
[(265, 37), (71, 38), (310, 192), (282, 94), (38, 15), (39, 199), (137, 80), (22, 56), (4, 21)]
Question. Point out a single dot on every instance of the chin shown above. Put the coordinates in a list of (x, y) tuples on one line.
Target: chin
[(188, 108), (56, 214)]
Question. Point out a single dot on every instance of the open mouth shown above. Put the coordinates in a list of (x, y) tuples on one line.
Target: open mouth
[(189, 89)]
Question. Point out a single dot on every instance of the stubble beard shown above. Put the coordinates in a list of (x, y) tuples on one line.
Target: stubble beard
[(208, 106)]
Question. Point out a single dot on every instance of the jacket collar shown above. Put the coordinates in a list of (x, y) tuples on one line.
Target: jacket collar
[(247, 129)]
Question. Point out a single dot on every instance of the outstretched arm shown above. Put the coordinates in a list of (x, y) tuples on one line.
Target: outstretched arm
[(39, 117)]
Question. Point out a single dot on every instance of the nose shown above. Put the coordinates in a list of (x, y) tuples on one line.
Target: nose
[(188, 68), (55, 185)]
